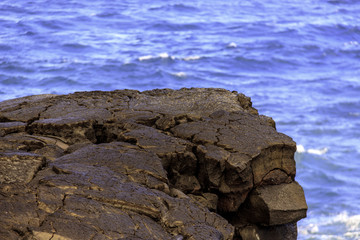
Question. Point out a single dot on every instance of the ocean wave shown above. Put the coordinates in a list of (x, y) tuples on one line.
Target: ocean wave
[(75, 45), (12, 80), (254, 63), (232, 45), (163, 55), (341, 2), (351, 47), (191, 58), (330, 224), (179, 74), (53, 24), (170, 26), (12, 8), (108, 14), (175, 7), (15, 67), (146, 58), (58, 81), (5, 47)]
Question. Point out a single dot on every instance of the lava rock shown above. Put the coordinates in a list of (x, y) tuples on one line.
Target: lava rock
[(162, 164)]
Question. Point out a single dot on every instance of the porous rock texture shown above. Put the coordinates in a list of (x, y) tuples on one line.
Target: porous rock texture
[(161, 164)]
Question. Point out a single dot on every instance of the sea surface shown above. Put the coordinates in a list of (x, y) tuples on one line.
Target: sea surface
[(299, 61)]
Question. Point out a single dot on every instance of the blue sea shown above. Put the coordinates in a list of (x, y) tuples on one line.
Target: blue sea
[(299, 61)]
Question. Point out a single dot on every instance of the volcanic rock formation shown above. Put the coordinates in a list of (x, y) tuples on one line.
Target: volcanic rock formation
[(160, 164)]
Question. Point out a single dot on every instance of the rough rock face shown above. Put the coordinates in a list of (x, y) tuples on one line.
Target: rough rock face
[(161, 164)]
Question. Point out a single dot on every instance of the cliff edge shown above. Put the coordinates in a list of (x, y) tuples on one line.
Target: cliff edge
[(161, 164)]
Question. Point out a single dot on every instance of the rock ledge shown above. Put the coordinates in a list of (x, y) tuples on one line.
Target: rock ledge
[(161, 164)]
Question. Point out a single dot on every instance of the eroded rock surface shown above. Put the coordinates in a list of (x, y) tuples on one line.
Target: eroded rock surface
[(161, 164)]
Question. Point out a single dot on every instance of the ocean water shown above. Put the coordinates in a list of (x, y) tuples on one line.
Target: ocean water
[(299, 61)]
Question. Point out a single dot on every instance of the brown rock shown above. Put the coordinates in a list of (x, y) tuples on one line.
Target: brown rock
[(69, 130), (280, 232), (19, 167), (11, 127), (145, 165), (276, 204)]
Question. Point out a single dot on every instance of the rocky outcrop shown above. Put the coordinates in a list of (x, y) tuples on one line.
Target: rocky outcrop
[(161, 164)]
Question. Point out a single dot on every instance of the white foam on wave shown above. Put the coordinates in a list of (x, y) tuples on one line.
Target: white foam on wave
[(163, 55), (351, 45), (321, 151), (145, 58), (232, 45), (301, 149), (191, 58), (179, 74), (348, 227)]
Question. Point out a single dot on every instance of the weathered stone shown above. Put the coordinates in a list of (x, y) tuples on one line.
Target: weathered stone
[(161, 164), (276, 156), (24, 109), (19, 211), (200, 104), (208, 200), (71, 130), (275, 177), (276, 204), (11, 127), (19, 167), (20, 142), (72, 109), (118, 157)]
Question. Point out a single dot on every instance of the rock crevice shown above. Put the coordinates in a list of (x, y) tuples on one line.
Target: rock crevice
[(161, 164)]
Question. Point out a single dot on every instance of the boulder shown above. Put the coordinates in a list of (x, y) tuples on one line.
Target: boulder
[(161, 164), (275, 204)]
